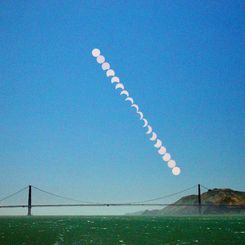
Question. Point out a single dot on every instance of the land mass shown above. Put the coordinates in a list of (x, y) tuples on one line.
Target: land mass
[(215, 201)]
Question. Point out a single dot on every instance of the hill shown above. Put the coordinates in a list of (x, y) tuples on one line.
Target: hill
[(216, 201)]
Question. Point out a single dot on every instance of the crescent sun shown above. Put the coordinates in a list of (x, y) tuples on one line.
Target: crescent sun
[(136, 107), (149, 129), (110, 73), (119, 85), (153, 137), (130, 99), (115, 80), (158, 143), (124, 92), (145, 122), (162, 150), (141, 114)]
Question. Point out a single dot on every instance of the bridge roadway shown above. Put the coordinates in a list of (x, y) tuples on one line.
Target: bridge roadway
[(79, 203), (115, 205)]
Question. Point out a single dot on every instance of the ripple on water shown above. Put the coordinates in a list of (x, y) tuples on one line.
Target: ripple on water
[(90, 221), (60, 237), (122, 242)]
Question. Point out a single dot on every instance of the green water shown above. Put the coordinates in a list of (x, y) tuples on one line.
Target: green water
[(121, 230)]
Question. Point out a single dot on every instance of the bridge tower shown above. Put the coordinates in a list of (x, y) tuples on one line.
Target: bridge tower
[(29, 201), (199, 199)]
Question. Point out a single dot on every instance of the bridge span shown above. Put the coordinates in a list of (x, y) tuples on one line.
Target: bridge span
[(144, 203)]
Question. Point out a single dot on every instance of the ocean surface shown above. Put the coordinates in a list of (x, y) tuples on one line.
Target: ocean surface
[(119, 230)]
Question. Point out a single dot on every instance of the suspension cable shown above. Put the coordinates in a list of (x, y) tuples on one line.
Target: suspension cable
[(166, 196), (205, 187), (15, 193), (63, 197)]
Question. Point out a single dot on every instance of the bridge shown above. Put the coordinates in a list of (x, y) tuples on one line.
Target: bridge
[(144, 203)]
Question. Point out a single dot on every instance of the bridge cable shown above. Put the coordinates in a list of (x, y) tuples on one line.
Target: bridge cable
[(205, 187), (166, 196), (63, 197), (144, 201), (13, 194)]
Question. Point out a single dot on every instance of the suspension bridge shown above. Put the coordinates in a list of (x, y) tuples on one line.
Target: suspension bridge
[(79, 203)]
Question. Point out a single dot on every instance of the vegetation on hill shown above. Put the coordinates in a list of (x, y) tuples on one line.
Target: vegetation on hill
[(216, 201)]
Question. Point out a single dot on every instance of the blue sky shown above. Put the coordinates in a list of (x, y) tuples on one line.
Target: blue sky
[(64, 128)]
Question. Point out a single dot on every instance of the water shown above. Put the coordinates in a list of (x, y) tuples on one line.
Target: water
[(121, 230)]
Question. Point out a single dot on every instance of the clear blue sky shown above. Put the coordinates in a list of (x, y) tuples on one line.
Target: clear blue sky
[(65, 129)]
